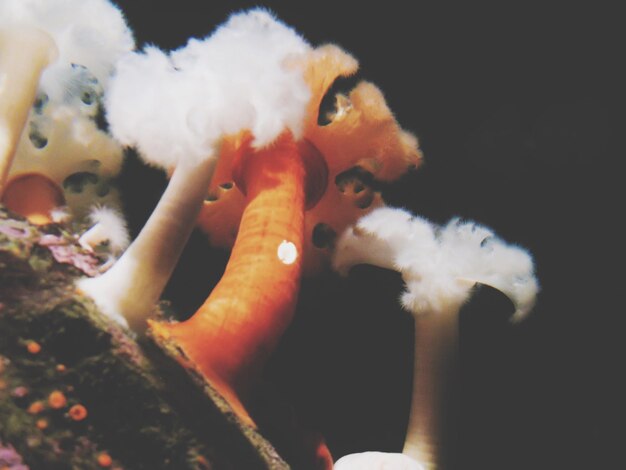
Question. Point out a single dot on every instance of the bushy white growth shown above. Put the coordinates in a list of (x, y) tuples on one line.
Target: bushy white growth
[(108, 226), (91, 33), (439, 265), (377, 461), (246, 76)]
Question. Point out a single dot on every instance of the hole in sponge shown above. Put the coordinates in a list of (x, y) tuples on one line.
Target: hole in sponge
[(323, 236), (76, 181), (328, 106), (36, 137)]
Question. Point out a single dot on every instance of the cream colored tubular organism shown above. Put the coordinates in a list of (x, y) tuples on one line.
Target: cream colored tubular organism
[(440, 266), (435, 368), (49, 108), (24, 53), (129, 291)]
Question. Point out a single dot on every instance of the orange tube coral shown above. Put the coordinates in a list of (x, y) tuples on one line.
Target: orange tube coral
[(230, 337)]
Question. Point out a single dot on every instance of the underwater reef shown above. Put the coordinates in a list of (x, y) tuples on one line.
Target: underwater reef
[(77, 390)]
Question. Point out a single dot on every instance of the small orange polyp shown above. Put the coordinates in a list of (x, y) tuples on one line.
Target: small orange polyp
[(57, 400), (104, 460), (33, 196), (78, 412), (36, 407), (33, 347)]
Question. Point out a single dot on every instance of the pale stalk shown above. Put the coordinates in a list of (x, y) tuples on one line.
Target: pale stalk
[(133, 286), (24, 53), (434, 376)]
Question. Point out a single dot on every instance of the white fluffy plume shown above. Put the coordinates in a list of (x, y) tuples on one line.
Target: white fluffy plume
[(439, 265), (245, 76), (109, 227)]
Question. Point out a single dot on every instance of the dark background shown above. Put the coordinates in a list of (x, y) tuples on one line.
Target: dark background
[(518, 110)]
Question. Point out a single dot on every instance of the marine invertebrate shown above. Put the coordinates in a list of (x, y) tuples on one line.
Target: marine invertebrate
[(268, 193), (440, 266), (244, 87), (56, 60), (77, 412), (57, 400)]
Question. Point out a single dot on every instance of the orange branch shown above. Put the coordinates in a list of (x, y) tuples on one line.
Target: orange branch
[(231, 336)]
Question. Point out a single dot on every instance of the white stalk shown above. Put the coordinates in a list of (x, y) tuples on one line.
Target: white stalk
[(129, 290), (24, 53), (434, 370)]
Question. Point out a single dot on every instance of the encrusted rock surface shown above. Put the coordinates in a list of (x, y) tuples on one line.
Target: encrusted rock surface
[(78, 391)]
